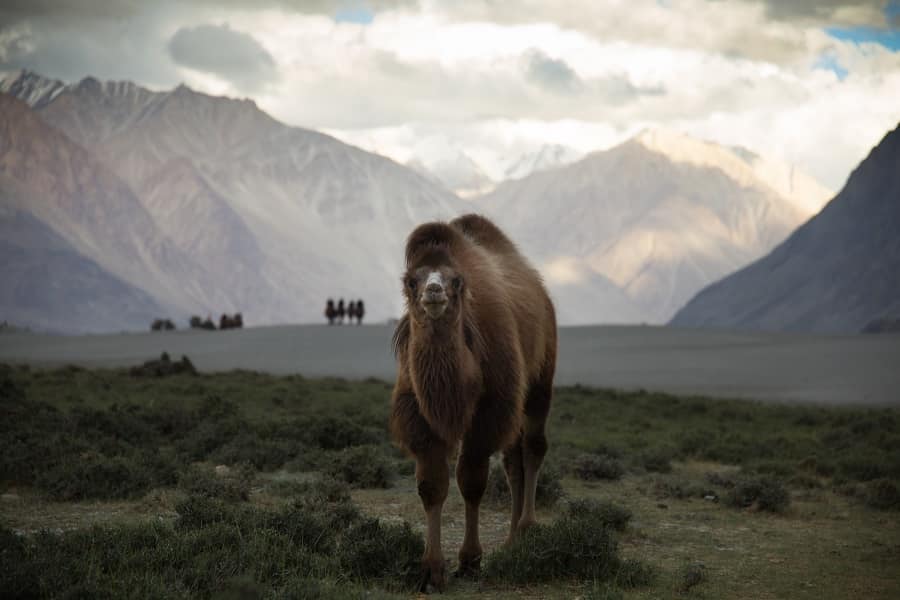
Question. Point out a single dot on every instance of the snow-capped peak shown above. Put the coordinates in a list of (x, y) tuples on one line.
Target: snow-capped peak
[(547, 156), (34, 89)]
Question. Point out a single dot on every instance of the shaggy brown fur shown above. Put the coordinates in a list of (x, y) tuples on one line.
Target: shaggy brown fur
[(479, 375)]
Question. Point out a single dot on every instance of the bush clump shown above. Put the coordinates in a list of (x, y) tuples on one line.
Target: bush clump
[(361, 467), (217, 548), (164, 367), (232, 484), (91, 475), (600, 511), (592, 467), (658, 460), (883, 494), (578, 545), (764, 493), (692, 575), (373, 551), (680, 489)]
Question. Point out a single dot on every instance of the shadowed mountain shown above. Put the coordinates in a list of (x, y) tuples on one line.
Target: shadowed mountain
[(836, 273), (48, 285), (45, 174)]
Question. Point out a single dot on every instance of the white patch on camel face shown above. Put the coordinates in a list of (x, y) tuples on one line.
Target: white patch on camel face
[(434, 277)]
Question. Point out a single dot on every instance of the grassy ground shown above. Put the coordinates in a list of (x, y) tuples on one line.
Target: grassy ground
[(261, 486)]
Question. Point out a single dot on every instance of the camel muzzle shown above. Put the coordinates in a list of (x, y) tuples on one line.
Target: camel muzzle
[(434, 301)]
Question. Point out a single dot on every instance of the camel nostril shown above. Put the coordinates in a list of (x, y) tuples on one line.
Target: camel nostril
[(434, 288)]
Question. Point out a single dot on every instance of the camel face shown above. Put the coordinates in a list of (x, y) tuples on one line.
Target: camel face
[(433, 291)]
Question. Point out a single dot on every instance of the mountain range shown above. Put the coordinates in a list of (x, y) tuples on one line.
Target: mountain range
[(657, 217), (467, 178), (175, 203), (839, 272)]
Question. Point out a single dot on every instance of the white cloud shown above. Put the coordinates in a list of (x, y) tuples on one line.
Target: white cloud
[(492, 79)]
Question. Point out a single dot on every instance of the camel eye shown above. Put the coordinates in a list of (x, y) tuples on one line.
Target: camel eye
[(457, 283), (411, 283)]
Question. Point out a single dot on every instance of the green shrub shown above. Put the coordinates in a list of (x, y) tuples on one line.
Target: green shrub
[(680, 488), (337, 433), (373, 551), (591, 467), (361, 467), (95, 476), (573, 547), (658, 460), (883, 494), (599, 511), (765, 493), (233, 484), (692, 575), (216, 548)]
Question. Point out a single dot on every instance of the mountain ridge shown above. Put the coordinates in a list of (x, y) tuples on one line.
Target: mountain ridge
[(834, 274)]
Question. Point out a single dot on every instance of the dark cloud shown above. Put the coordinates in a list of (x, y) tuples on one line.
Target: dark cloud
[(552, 74), (218, 49), (70, 49), (556, 76), (828, 12), (13, 11)]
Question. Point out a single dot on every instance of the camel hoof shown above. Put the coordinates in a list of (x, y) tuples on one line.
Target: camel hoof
[(434, 577), (524, 526), (469, 568)]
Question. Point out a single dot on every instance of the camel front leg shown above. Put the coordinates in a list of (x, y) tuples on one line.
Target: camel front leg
[(534, 447), (433, 480), (515, 477), (471, 476)]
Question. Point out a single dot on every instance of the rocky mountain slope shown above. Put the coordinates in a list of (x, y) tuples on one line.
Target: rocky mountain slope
[(48, 285), (278, 218), (836, 273), (660, 216)]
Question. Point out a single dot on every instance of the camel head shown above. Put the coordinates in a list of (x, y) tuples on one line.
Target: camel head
[(434, 289)]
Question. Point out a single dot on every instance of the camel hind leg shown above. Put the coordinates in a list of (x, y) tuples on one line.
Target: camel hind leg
[(534, 445)]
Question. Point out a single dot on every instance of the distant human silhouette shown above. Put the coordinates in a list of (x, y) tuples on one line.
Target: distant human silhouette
[(360, 311), (330, 311), (341, 311), (351, 312)]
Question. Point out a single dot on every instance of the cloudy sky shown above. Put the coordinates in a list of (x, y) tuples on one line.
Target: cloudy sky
[(816, 83)]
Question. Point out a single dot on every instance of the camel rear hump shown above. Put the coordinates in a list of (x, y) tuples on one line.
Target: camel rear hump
[(524, 289)]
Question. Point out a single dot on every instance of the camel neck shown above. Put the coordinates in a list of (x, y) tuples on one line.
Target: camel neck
[(442, 377)]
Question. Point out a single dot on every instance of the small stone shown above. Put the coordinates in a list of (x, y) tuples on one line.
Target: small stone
[(222, 470)]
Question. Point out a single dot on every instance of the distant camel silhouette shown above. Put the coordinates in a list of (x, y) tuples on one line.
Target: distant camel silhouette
[(227, 322), (360, 311), (330, 311), (162, 325)]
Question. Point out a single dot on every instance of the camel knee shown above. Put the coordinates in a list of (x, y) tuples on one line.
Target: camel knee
[(536, 445), (432, 492), (472, 476)]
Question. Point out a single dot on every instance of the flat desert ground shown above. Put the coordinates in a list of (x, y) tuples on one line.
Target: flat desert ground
[(827, 369)]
